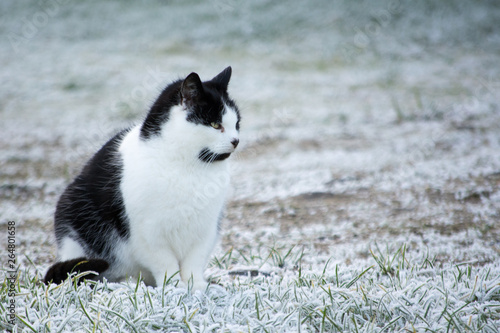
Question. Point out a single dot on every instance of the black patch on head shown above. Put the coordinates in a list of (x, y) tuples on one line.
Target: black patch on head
[(209, 110), (91, 208), (204, 102), (207, 106), (208, 156)]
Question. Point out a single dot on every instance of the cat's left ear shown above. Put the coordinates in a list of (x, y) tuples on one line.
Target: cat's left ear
[(191, 90), (222, 79)]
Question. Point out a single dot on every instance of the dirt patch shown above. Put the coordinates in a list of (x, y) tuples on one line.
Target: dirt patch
[(367, 213)]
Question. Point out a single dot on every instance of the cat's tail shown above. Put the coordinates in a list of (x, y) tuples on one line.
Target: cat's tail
[(58, 272)]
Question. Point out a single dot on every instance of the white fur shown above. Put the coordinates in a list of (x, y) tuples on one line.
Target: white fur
[(172, 199), (70, 249)]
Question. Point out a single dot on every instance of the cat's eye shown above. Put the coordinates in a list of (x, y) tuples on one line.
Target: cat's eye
[(216, 125)]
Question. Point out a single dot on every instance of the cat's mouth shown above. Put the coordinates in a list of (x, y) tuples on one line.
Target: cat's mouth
[(208, 156)]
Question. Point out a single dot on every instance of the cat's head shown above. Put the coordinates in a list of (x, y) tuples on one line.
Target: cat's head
[(200, 114)]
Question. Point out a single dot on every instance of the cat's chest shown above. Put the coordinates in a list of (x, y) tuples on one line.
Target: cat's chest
[(157, 184), (175, 185)]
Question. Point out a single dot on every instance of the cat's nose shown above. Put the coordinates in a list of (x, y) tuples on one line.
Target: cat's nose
[(235, 142)]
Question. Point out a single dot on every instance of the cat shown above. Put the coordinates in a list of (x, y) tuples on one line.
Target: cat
[(150, 201)]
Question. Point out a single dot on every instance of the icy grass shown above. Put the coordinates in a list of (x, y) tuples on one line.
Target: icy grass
[(395, 293)]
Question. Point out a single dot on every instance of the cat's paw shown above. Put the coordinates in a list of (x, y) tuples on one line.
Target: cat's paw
[(199, 285), (191, 285)]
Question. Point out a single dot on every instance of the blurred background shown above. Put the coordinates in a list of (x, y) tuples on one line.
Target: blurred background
[(361, 119)]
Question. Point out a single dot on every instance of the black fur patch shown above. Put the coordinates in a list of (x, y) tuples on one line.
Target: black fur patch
[(210, 109), (208, 156), (59, 271), (160, 111), (92, 207)]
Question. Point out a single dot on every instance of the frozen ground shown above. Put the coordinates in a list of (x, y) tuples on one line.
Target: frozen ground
[(369, 130)]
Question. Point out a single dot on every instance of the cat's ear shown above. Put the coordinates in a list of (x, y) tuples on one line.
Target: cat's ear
[(191, 90), (222, 79)]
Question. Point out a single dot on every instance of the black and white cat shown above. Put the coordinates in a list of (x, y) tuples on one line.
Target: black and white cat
[(150, 200)]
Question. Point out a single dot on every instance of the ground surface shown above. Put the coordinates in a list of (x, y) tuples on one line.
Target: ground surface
[(368, 126)]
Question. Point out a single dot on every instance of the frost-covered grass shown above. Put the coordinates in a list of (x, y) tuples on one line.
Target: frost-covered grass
[(397, 292), (366, 188)]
